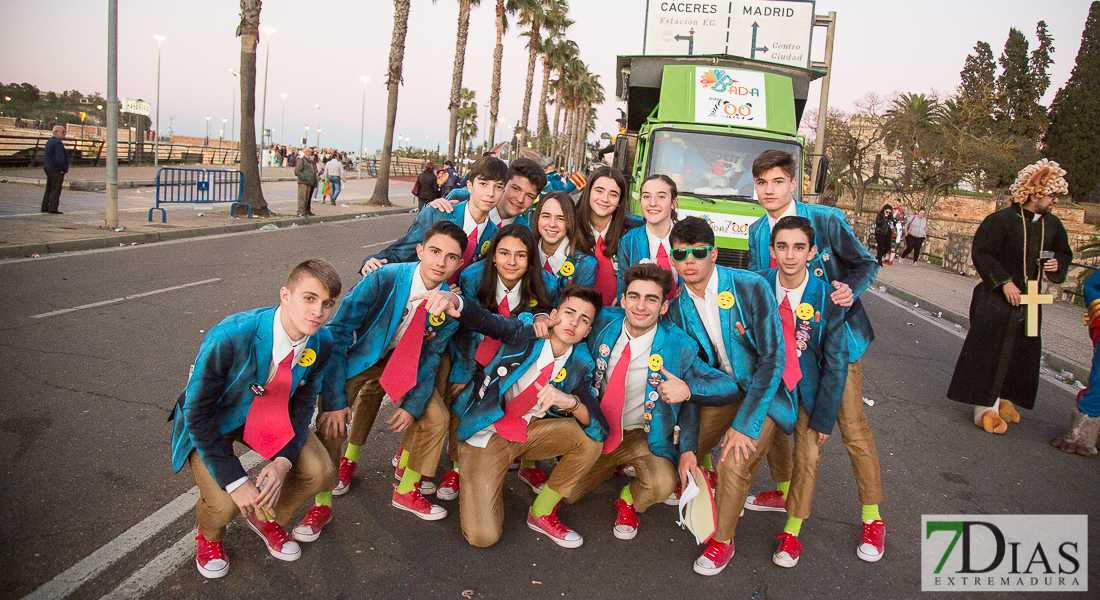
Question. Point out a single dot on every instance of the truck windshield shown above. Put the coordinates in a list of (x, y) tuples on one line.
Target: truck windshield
[(711, 164)]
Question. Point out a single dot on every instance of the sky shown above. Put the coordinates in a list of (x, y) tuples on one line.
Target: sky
[(321, 48)]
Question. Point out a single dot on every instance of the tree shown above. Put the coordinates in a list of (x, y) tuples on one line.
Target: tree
[(564, 53), (456, 75), (249, 32), (555, 50), (854, 145), (1073, 138), (467, 118), (502, 11), (533, 14), (381, 194), (1018, 116)]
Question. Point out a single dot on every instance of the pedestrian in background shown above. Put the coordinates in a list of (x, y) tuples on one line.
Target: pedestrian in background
[(306, 173), (884, 232), (916, 231), (452, 178), (427, 189), (55, 165), (334, 172)]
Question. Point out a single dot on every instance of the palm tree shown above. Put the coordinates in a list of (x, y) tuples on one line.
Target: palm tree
[(556, 54), (249, 32), (456, 76), (533, 14), (467, 118), (590, 93), (503, 8), (566, 74), (381, 195)]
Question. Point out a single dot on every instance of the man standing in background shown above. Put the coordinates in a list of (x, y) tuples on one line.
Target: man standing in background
[(307, 181), (56, 165), (334, 171)]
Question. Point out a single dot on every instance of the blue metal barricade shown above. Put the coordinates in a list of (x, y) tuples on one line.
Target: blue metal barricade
[(198, 186)]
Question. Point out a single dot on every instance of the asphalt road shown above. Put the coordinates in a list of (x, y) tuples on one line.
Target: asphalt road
[(84, 449)]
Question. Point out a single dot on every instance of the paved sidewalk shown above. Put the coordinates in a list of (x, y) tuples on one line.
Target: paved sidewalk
[(945, 294), (25, 231)]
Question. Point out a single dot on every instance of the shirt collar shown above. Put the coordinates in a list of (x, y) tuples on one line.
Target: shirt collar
[(711, 292), (512, 295), (791, 211), (418, 286), (795, 294), (281, 344), (559, 255)]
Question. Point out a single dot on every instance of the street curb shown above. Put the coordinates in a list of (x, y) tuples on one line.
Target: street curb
[(1054, 361), (126, 239), (79, 185)]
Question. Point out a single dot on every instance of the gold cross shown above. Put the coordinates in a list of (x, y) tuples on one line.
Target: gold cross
[(1032, 299)]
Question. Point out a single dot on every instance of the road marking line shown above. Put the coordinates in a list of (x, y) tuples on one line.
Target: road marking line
[(156, 570), (123, 299), (93, 564)]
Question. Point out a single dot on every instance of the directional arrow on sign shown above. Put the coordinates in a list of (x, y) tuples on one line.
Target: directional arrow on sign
[(754, 48)]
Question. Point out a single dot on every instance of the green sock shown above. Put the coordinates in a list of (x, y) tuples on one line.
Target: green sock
[(783, 487), (404, 460), (456, 466), (545, 502), (324, 499), (408, 481), (527, 464), (870, 513), (625, 495), (352, 453), (707, 463), (794, 526)]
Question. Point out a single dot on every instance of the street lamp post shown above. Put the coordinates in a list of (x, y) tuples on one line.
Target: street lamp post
[(207, 141), (362, 119), (263, 111), (156, 136), (233, 110), (305, 140), (318, 140), (318, 127), (282, 122), (221, 134)]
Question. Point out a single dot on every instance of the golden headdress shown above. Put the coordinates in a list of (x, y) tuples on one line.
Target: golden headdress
[(1044, 178)]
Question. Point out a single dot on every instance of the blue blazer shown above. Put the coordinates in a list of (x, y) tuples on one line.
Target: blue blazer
[(824, 362), (404, 249), (364, 326), (464, 345), (633, 247), (235, 354), (840, 257), (583, 267), (755, 349), (680, 356), (518, 353)]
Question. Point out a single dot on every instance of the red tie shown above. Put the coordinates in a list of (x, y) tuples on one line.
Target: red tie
[(548, 268), (792, 373), (613, 400), (488, 346), (399, 375), (606, 283), (267, 428), (662, 261), (771, 263), (467, 256), (511, 426)]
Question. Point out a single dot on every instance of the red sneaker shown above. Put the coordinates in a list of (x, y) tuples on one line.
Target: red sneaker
[(448, 486), (210, 558), (427, 487), (310, 527), (712, 479), (873, 545), (554, 529), (514, 466), (275, 538), (347, 471), (626, 470), (789, 549), (415, 503), (714, 558), (396, 458), (772, 501), (626, 520), (674, 498), (534, 478)]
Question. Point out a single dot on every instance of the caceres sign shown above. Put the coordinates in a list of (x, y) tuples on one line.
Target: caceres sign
[(775, 31), (730, 97), (1004, 553), (724, 225), (137, 107)]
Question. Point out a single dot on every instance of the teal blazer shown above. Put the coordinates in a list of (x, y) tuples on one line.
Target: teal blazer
[(404, 248), (633, 247)]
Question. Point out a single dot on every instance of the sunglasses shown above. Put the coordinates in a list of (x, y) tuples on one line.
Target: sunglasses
[(699, 252)]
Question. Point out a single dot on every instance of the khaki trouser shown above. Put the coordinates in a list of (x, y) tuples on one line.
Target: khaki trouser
[(857, 437), (807, 456), (310, 475), (734, 480), (424, 438), (481, 503), (714, 422), (305, 193), (656, 478), (365, 395)]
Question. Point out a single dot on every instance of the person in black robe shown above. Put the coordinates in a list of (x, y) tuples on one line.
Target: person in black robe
[(999, 363)]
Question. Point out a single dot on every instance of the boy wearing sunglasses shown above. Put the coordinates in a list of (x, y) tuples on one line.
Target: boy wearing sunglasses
[(733, 316)]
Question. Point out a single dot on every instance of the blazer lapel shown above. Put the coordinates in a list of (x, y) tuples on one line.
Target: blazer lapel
[(300, 368), (399, 295), (693, 322), (263, 344), (513, 374)]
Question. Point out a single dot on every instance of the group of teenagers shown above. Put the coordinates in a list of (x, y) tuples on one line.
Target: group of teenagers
[(573, 332)]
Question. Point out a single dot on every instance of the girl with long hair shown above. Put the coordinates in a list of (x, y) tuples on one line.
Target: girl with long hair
[(562, 251), (658, 203), (603, 220)]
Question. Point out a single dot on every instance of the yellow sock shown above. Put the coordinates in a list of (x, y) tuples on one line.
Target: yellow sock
[(408, 481), (793, 526), (870, 513), (324, 499), (783, 487), (352, 453), (545, 502), (404, 461), (527, 464), (625, 495), (706, 463)]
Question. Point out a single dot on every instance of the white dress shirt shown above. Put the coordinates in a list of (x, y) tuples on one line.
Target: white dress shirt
[(596, 234), (494, 215), (636, 373), (707, 307), (656, 242), (558, 258), (546, 356), (513, 296), (468, 224), (791, 211), (794, 296)]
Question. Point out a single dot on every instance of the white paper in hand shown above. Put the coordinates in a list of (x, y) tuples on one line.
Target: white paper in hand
[(697, 511)]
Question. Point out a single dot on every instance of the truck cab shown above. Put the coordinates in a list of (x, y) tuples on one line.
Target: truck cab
[(702, 120)]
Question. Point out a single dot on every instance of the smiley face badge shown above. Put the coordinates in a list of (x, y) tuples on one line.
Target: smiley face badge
[(655, 362), (725, 300), (567, 269), (484, 247), (805, 311), (308, 357), (560, 376), (437, 320)]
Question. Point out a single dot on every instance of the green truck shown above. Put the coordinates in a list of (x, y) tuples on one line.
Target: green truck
[(702, 120)]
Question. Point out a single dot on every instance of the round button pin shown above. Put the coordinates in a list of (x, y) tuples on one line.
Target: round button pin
[(725, 300)]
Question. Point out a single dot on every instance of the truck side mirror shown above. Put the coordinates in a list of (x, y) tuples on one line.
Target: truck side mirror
[(625, 146), (822, 175)]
